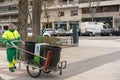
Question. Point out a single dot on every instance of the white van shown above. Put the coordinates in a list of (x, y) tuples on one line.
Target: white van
[(3, 28), (91, 28)]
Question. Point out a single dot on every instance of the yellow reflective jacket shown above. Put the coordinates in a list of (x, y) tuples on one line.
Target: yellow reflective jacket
[(10, 35)]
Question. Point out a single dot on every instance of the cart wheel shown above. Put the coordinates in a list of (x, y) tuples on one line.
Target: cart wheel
[(46, 71), (32, 71)]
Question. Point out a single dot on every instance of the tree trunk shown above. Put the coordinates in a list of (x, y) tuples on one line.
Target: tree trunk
[(36, 16), (23, 18), (23, 22)]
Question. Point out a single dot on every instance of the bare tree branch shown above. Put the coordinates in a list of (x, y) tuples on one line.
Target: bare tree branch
[(93, 5)]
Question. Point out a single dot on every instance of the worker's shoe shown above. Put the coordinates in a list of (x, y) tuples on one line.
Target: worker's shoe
[(11, 69)]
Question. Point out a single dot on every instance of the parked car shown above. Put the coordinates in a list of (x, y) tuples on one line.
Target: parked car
[(48, 32), (78, 30), (60, 32), (106, 31), (30, 32), (115, 32), (1, 32)]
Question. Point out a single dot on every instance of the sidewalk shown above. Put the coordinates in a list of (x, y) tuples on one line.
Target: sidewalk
[(86, 62), (2, 48)]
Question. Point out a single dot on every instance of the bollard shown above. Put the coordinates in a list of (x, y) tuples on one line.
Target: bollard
[(75, 35)]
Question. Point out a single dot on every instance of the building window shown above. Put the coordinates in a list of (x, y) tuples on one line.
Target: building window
[(2, 1), (61, 13), (105, 9), (5, 27), (85, 10), (74, 12)]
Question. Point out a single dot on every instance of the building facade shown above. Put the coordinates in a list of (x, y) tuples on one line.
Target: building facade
[(8, 11), (108, 12), (61, 17)]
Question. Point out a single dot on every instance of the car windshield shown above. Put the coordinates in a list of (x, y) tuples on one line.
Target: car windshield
[(29, 30), (105, 27), (48, 30), (60, 30)]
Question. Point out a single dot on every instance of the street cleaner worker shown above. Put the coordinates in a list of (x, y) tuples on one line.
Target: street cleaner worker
[(10, 36)]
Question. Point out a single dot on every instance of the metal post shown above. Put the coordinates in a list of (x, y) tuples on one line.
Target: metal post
[(75, 35)]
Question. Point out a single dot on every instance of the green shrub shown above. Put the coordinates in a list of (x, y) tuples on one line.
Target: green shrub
[(51, 40)]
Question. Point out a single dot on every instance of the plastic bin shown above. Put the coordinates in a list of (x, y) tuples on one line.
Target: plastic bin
[(43, 54), (55, 56), (29, 46)]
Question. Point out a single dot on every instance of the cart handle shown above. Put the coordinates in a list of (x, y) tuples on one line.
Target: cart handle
[(17, 41)]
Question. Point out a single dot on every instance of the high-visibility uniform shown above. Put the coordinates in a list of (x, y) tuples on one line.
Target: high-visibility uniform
[(8, 37)]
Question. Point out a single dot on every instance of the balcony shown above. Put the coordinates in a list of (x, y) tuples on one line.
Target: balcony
[(9, 12), (62, 6), (8, 20), (105, 14), (9, 2), (102, 3)]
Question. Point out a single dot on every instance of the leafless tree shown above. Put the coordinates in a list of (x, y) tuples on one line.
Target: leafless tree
[(36, 18), (23, 18), (46, 12), (23, 21), (93, 5)]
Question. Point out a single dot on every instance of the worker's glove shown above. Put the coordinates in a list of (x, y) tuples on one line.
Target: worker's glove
[(7, 44), (9, 41)]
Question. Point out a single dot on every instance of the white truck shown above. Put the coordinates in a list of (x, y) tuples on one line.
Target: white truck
[(92, 28)]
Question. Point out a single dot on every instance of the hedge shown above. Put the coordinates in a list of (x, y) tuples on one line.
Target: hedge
[(50, 40)]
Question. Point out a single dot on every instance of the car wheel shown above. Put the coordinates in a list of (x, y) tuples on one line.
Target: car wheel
[(110, 34), (91, 34), (58, 34)]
